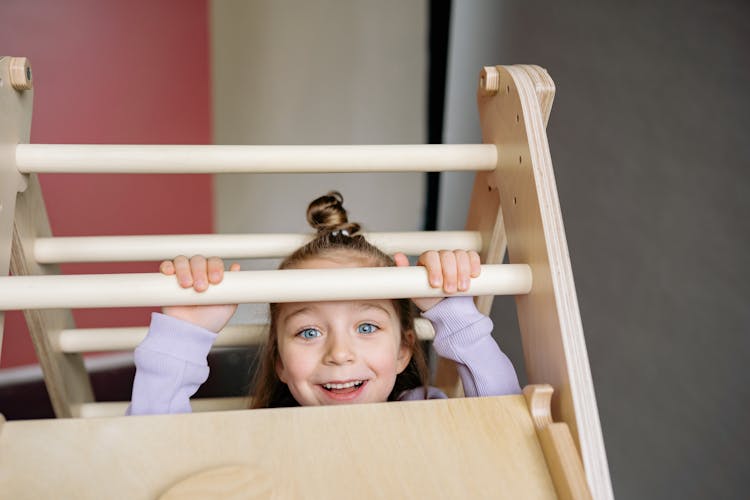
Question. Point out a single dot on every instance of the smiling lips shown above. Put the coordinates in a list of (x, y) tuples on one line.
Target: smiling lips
[(344, 390), (344, 385)]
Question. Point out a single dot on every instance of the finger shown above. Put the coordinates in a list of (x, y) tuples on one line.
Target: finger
[(215, 270), (431, 260), (448, 262), (463, 269), (167, 267), (401, 259), (234, 267), (182, 270), (200, 275), (476, 264)]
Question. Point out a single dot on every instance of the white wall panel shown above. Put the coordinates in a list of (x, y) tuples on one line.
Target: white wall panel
[(318, 72)]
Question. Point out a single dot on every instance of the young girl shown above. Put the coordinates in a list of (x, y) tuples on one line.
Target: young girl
[(322, 353)]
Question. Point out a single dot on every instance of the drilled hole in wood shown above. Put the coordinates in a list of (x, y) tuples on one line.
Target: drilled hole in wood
[(518, 118), (515, 201), (507, 89), (520, 159)]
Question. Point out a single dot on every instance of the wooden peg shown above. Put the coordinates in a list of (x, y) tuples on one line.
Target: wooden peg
[(20, 73), (489, 80)]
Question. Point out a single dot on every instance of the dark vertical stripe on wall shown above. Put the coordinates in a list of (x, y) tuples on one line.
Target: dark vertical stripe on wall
[(439, 27)]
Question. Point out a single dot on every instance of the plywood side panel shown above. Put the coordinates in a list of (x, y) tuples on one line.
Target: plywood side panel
[(65, 375), (15, 128), (554, 348)]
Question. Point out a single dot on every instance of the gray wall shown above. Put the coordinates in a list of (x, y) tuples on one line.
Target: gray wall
[(648, 139)]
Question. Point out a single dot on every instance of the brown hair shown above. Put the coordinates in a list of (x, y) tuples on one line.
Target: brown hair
[(336, 238)]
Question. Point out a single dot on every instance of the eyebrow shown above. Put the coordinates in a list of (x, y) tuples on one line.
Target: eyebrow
[(370, 305), (301, 310), (361, 306)]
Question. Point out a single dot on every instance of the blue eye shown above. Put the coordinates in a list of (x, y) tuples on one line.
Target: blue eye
[(309, 333), (367, 328)]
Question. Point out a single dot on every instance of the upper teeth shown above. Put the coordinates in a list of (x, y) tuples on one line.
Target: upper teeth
[(342, 386)]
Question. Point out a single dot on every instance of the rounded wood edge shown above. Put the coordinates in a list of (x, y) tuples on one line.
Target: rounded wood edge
[(544, 87), (560, 452), (539, 399)]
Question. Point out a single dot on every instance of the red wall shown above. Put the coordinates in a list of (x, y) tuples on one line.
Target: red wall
[(134, 72)]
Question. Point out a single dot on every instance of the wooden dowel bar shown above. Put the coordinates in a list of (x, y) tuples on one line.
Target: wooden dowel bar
[(229, 246), (145, 159), (127, 338), (288, 285)]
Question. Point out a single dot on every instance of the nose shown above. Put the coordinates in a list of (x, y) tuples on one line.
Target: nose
[(339, 349)]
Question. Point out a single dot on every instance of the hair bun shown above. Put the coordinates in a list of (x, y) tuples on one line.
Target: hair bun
[(327, 214)]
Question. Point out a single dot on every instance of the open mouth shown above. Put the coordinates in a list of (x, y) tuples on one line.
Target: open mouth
[(344, 387)]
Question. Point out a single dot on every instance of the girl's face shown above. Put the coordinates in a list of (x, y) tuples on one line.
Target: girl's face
[(339, 352)]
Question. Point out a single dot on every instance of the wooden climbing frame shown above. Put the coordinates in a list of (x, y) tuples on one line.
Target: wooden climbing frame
[(546, 444)]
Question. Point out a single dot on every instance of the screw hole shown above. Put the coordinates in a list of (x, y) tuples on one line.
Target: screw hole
[(520, 159), (518, 118), (507, 89), (515, 201), (28, 74)]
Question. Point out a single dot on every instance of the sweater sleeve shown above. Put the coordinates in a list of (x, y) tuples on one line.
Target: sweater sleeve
[(464, 335), (170, 366)]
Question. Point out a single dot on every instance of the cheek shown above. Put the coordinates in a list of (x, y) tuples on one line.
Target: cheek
[(295, 364), (387, 358)]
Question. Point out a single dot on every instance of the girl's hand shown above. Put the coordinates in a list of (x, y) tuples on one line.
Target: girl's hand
[(446, 269), (198, 272)]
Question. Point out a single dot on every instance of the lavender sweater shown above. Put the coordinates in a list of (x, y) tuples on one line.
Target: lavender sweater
[(171, 360)]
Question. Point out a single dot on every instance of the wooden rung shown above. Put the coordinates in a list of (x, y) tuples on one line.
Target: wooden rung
[(151, 159), (122, 339), (288, 285), (127, 338), (118, 408), (230, 246)]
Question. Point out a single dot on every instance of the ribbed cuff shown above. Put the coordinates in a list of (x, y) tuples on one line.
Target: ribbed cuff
[(179, 339), (453, 313), (457, 322)]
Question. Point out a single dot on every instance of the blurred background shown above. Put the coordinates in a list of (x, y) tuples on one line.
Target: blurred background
[(648, 140)]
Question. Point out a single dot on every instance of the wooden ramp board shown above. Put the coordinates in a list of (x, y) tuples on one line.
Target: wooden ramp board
[(459, 448)]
